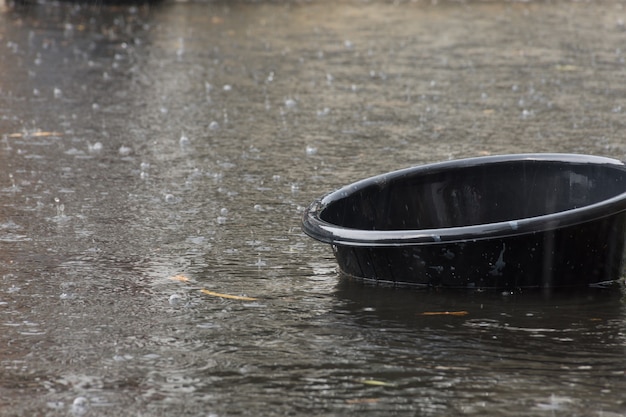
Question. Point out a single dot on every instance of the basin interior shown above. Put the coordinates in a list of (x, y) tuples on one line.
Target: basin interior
[(456, 196)]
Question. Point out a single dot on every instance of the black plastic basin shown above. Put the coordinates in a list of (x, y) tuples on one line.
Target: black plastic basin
[(502, 222)]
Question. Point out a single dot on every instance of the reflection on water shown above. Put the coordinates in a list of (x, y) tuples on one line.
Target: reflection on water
[(148, 153)]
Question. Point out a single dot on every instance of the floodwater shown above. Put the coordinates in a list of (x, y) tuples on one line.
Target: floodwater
[(150, 152)]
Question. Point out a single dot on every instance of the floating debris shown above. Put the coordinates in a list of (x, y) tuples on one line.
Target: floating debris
[(36, 134), (374, 382), (362, 401), (444, 313), (228, 296), (180, 278)]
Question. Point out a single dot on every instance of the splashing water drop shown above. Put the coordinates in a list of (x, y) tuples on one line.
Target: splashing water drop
[(214, 125), (96, 147), (175, 299), (124, 150), (13, 184), (60, 208), (57, 93), (181, 47), (184, 141), (80, 406), (526, 114), (290, 103), (311, 150), (323, 112)]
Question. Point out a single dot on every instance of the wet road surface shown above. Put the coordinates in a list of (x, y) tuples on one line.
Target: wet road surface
[(150, 152)]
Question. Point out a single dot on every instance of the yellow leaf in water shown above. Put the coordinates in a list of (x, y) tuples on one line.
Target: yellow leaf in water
[(362, 401), (40, 134), (445, 313), (36, 134), (180, 278), (375, 382), (230, 297)]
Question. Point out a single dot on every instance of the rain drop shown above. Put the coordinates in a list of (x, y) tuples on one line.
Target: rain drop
[(184, 141), (311, 150), (96, 147), (60, 207), (57, 93), (68, 30), (80, 406), (124, 150), (290, 103), (175, 299), (181, 47), (323, 112), (214, 125)]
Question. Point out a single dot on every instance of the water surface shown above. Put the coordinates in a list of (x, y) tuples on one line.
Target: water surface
[(148, 152)]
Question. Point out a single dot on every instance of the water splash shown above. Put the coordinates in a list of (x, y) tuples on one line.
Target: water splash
[(184, 141), (60, 208)]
